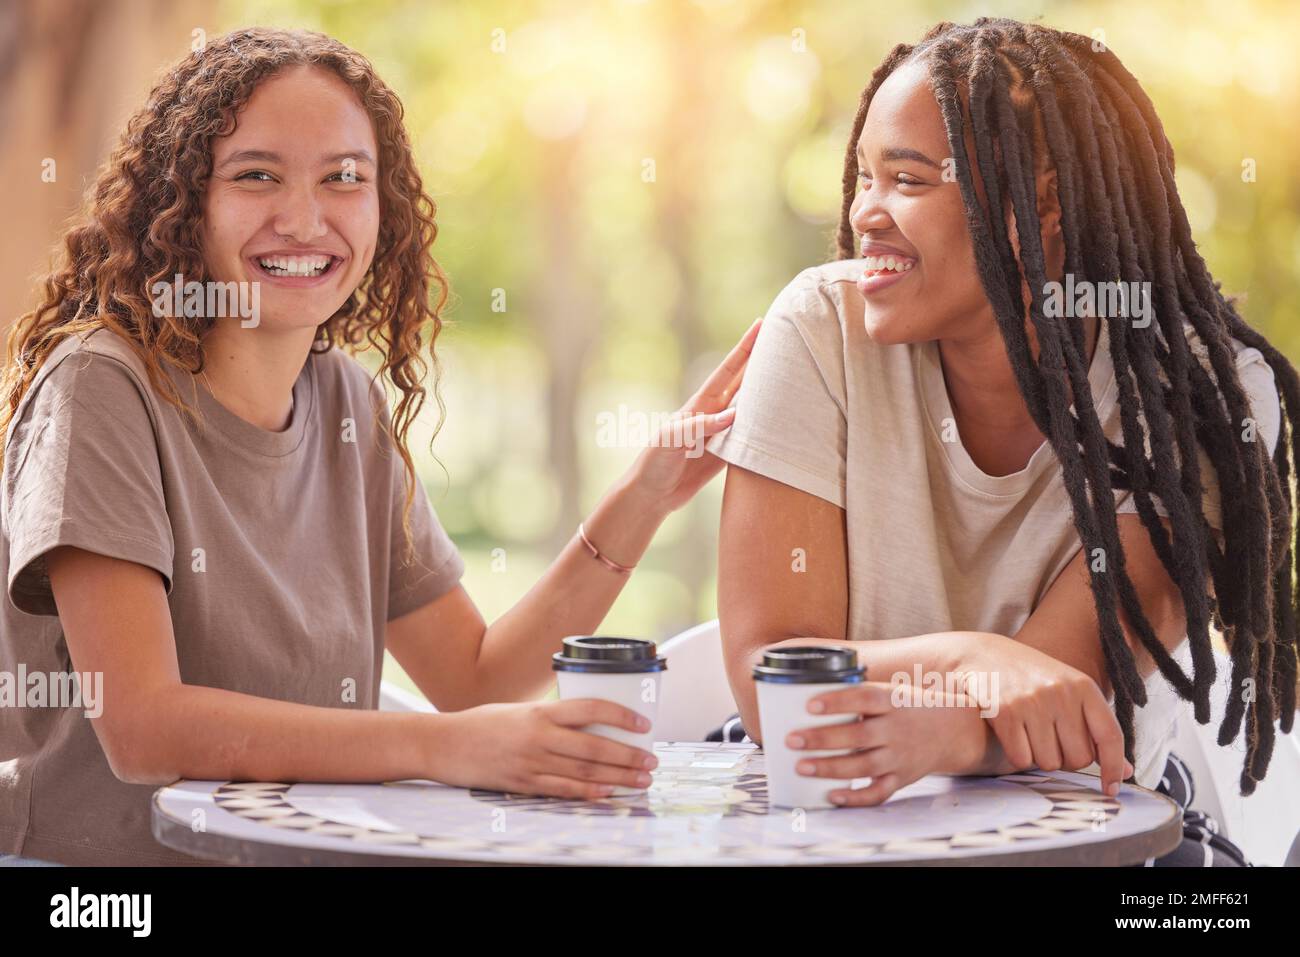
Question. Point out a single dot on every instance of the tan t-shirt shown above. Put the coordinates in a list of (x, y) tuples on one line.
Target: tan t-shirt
[(281, 553), (934, 543)]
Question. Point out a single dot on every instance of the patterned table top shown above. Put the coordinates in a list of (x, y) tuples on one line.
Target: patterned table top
[(707, 805)]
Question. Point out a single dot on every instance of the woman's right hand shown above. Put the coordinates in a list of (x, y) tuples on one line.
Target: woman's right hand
[(535, 747)]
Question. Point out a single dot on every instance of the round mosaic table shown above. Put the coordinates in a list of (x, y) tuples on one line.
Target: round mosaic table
[(707, 805)]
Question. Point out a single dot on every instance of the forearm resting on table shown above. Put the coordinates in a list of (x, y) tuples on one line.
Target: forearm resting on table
[(882, 658), (154, 728), (189, 731), (912, 659), (763, 601), (969, 739)]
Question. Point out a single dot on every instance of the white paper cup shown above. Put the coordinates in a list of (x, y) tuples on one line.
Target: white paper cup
[(626, 671), (787, 679)]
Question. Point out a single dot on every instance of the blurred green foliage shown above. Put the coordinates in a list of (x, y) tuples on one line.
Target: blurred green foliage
[(639, 179)]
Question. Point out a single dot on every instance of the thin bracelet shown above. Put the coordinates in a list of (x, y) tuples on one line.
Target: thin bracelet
[(595, 553)]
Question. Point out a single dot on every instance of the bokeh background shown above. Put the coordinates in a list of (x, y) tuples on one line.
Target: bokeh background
[(638, 179)]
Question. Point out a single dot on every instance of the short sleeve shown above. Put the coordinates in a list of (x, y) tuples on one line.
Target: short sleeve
[(791, 424), (434, 566), (1261, 392), (82, 469)]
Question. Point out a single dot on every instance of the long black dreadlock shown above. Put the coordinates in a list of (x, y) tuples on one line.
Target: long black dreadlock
[(1122, 219)]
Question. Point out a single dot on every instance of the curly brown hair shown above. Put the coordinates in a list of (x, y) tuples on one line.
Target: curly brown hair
[(141, 224)]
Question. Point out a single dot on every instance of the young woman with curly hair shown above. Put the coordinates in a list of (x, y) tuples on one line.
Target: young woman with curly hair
[(984, 483), (219, 514)]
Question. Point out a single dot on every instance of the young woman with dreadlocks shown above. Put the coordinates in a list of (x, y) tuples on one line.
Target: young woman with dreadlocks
[(940, 466)]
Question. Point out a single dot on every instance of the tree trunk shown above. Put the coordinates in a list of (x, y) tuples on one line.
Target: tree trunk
[(71, 73)]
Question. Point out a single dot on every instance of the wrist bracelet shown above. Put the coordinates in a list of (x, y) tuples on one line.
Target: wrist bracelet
[(595, 553)]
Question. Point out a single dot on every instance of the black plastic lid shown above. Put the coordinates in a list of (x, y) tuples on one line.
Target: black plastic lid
[(810, 664), (607, 654)]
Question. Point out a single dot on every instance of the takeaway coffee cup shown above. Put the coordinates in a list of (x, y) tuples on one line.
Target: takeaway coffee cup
[(627, 671), (787, 679)]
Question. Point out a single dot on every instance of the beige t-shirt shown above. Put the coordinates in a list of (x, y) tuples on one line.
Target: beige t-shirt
[(934, 543), (281, 554)]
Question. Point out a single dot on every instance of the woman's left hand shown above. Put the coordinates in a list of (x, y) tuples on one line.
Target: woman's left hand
[(674, 466)]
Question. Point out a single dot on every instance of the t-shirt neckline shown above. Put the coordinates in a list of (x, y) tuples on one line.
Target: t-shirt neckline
[(247, 436), (934, 394)]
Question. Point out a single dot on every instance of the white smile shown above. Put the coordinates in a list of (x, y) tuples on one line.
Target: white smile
[(296, 265), (881, 264)]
